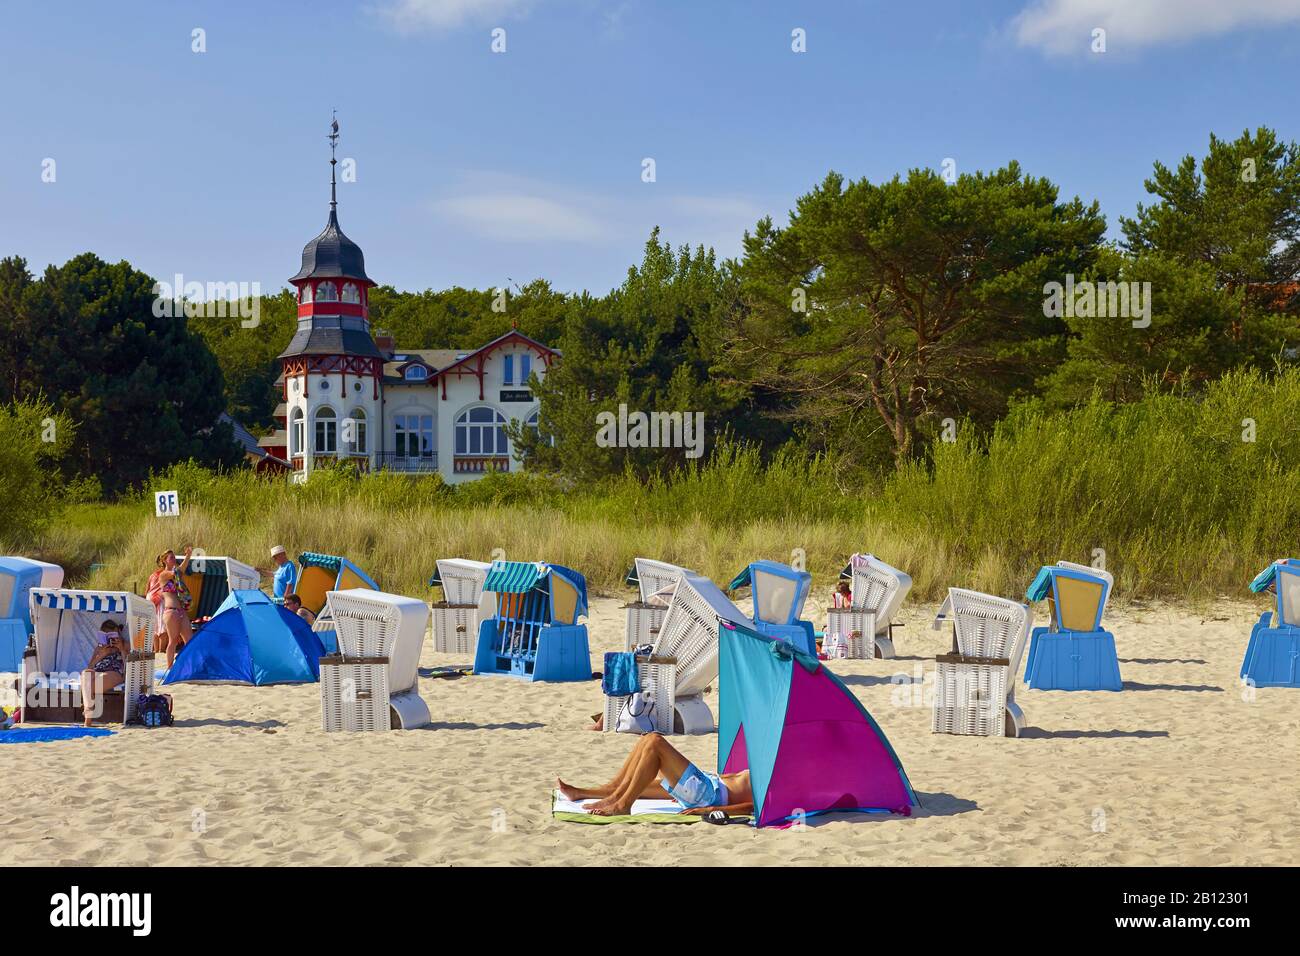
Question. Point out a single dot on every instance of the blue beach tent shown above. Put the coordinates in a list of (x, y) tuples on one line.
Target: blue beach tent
[(779, 593), (250, 640)]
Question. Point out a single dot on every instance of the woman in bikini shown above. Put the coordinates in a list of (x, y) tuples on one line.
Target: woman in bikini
[(654, 768), (175, 601)]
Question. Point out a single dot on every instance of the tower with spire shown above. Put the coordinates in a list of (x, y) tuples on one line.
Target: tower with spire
[(332, 369)]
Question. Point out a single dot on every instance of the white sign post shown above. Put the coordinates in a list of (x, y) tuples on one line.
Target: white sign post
[(166, 504)]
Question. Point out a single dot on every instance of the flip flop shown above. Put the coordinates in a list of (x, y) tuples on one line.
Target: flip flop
[(720, 818)]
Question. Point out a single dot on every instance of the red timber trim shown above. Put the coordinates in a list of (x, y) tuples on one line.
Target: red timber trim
[(362, 366), (462, 367)]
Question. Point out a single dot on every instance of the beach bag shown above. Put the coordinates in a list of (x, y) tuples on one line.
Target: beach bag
[(154, 710), (836, 647), (637, 715)]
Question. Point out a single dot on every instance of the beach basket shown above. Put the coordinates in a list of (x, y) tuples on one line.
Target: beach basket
[(975, 684), (373, 682), (858, 627), (455, 628)]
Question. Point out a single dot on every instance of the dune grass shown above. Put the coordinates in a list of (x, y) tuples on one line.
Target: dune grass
[(1180, 503)]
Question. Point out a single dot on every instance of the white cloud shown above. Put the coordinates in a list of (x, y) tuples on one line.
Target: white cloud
[(518, 217), (504, 207), (1065, 26), (412, 16)]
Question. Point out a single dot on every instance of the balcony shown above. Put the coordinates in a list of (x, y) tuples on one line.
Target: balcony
[(480, 464), (358, 460), (400, 461)]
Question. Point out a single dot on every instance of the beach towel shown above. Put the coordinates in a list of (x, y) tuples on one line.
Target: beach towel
[(40, 735), (620, 678), (643, 811)]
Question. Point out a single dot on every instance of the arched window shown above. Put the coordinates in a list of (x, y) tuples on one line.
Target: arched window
[(481, 431), (356, 431), (350, 293), (295, 433), (417, 373), (327, 292), (304, 294), (327, 432)]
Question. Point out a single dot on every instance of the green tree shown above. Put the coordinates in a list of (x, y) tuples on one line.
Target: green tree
[(248, 357), (467, 318), (1220, 250), (35, 439), (650, 345), (143, 390), (883, 308)]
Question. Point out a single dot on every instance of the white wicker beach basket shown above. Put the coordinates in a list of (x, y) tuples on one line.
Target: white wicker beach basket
[(455, 628), (859, 627)]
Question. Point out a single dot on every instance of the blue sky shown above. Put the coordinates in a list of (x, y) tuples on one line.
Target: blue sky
[(474, 167)]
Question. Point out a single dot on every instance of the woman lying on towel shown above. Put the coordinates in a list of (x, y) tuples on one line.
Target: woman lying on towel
[(655, 766)]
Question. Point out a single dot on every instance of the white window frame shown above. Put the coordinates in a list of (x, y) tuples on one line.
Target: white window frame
[(358, 445), (496, 428), (297, 432)]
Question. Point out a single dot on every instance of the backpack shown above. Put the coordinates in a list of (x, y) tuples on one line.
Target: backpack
[(153, 710)]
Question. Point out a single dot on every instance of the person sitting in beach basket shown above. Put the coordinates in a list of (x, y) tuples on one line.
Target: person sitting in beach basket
[(656, 766), (106, 668)]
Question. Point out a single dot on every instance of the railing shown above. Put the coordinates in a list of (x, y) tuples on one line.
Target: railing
[(400, 461), (359, 459), (480, 464)]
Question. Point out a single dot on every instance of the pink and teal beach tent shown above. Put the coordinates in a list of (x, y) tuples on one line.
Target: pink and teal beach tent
[(808, 743)]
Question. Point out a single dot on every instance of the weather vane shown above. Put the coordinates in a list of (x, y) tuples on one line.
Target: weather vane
[(334, 141)]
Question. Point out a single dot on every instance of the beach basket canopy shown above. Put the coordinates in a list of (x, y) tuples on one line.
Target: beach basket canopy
[(779, 591), (320, 573)]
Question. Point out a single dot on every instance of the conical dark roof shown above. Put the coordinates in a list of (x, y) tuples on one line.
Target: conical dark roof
[(332, 255)]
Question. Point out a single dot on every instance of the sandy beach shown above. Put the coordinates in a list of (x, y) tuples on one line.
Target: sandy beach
[(1179, 768)]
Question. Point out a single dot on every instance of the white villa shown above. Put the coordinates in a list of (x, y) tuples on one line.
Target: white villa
[(353, 396)]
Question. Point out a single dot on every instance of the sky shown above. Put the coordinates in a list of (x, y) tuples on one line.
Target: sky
[(481, 168)]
